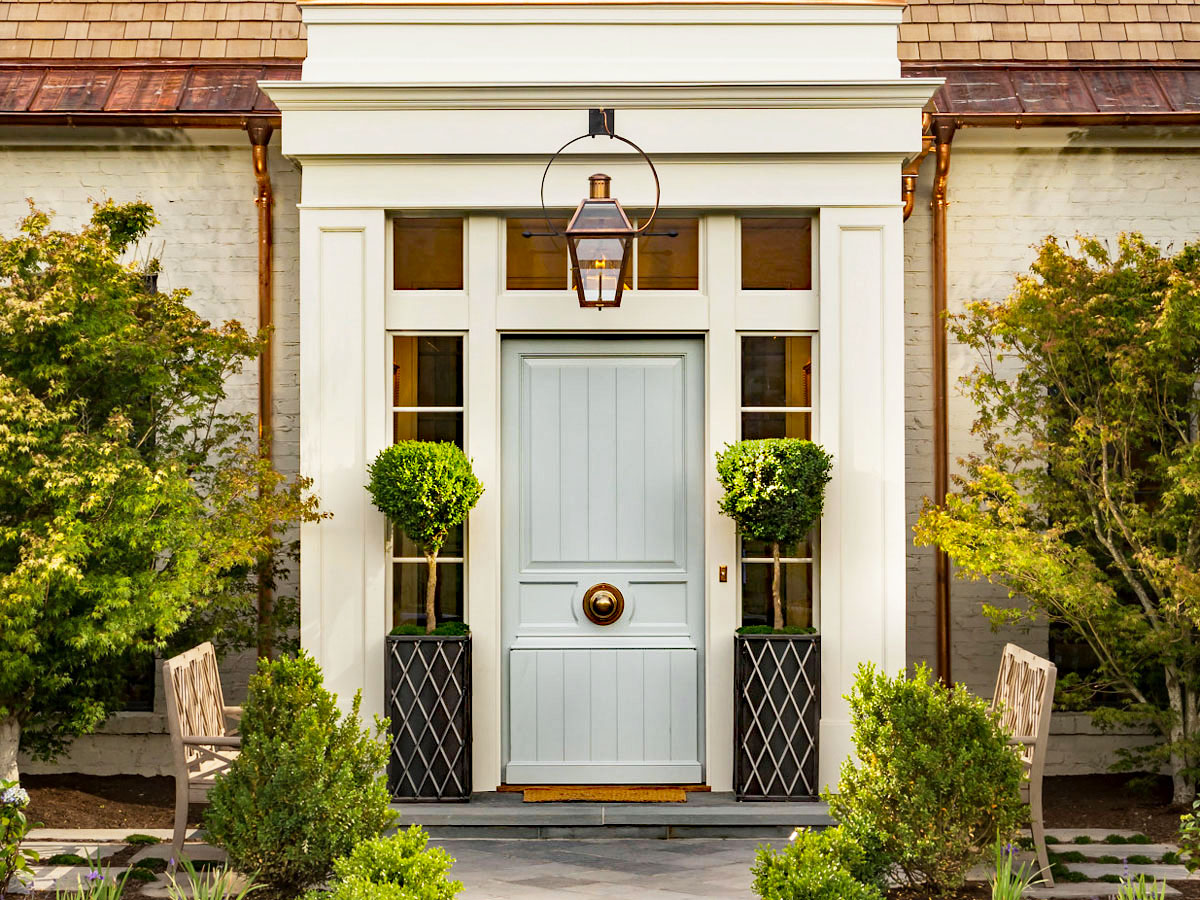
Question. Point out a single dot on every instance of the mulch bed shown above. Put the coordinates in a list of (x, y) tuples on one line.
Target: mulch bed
[(114, 801), (1110, 801)]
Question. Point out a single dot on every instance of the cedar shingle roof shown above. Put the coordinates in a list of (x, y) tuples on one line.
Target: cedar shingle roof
[(176, 29), (1032, 30)]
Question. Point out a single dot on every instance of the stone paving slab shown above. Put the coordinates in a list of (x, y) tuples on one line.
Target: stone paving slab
[(109, 835), (1066, 835), (1165, 873), (1121, 851), (88, 850)]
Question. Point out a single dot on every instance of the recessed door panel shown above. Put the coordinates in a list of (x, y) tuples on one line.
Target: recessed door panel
[(602, 491)]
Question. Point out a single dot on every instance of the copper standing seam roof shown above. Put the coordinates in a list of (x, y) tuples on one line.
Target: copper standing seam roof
[(226, 93), (1049, 94), (162, 92)]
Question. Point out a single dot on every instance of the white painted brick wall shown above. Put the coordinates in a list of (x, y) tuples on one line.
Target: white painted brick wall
[(203, 194), (1002, 202)]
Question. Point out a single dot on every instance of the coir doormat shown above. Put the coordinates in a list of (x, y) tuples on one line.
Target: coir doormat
[(606, 794)]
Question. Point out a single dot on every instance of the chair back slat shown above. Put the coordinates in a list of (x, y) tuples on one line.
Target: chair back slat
[(1025, 696), (195, 703)]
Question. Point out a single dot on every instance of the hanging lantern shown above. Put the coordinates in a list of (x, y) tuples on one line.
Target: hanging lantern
[(600, 241)]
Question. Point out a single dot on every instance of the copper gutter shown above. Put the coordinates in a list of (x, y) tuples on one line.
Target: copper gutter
[(139, 120), (908, 175), (260, 132), (943, 135)]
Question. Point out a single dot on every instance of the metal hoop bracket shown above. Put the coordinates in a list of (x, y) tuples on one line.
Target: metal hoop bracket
[(612, 136)]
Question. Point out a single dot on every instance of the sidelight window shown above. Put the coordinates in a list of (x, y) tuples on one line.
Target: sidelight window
[(776, 401), (427, 405)]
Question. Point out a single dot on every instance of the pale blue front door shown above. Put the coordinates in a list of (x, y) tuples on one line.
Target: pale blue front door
[(602, 450)]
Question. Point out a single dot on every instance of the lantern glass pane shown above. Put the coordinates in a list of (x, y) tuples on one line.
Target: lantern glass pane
[(599, 266), (600, 215)]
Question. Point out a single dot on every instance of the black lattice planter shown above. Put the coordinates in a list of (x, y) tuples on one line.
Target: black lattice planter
[(429, 702), (777, 712)]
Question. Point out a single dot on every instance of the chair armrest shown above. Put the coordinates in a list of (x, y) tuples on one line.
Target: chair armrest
[(199, 740), (1025, 740), (234, 711)]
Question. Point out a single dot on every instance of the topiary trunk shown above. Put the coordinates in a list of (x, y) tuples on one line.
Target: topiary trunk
[(430, 591), (776, 587)]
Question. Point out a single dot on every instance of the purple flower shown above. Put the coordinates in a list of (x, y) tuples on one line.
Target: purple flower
[(94, 875)]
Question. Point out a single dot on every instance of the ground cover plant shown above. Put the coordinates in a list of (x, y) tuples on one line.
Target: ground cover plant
[(1084, 501), (932, 781), (399, 867), (305, 788), (1010, 881), (131, 500), (774, 492), (426, 489), (218, 883)]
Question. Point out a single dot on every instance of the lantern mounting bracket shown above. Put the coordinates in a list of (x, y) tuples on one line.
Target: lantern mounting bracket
[(602, 122)]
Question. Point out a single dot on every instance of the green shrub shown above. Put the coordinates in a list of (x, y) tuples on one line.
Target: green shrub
[(446, 629), (399, 867), (817, 865), (426, 489), (934, 781), (305, 789), (142, 840)]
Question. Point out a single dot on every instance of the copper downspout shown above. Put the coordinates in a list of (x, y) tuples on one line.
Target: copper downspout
[(260, 136), (943, 135)]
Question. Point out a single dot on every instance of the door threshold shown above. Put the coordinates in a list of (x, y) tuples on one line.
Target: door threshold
[(519, 788)]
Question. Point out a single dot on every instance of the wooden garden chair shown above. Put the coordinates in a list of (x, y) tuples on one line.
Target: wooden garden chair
[(203, 744), (1025, 697)]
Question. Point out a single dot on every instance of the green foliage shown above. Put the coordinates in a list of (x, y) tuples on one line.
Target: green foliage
[(774, 491), (305, 788), (129, 499), (1010, 882), (141, 873), (426, 489), (934, 781), (219, 883), (1085, 500), (15, 861), (774, 488), (446, 629), (141, 840), (66, 859), (153, 863), (1189, 837), (1141, 889), (817, 865), (767, 629), (98, 884), (398, 867)]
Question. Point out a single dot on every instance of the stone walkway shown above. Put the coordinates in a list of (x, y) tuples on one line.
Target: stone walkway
[(523, 869)]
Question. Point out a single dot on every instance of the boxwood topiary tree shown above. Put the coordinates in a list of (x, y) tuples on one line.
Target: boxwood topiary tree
[(774, 491), (426, 489)]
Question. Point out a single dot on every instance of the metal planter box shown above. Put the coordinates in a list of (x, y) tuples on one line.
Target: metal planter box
[(428, 700), (777, 712)]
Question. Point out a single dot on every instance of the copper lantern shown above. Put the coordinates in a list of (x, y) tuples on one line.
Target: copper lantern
[(600, 241)]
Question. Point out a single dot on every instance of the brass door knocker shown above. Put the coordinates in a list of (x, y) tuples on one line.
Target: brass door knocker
[(603, 603)]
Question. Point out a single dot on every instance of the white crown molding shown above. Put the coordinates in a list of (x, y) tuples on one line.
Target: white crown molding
[(900, 93), (604, 14)]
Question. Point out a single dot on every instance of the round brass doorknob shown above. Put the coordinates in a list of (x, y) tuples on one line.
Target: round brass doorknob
[(603, 603)]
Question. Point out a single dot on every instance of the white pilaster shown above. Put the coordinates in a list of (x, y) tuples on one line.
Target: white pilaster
[(863, 534), (344, 413), (484, 529), (723, 615)]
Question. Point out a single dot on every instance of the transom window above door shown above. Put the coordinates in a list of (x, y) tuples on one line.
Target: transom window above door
[(660, 262)]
